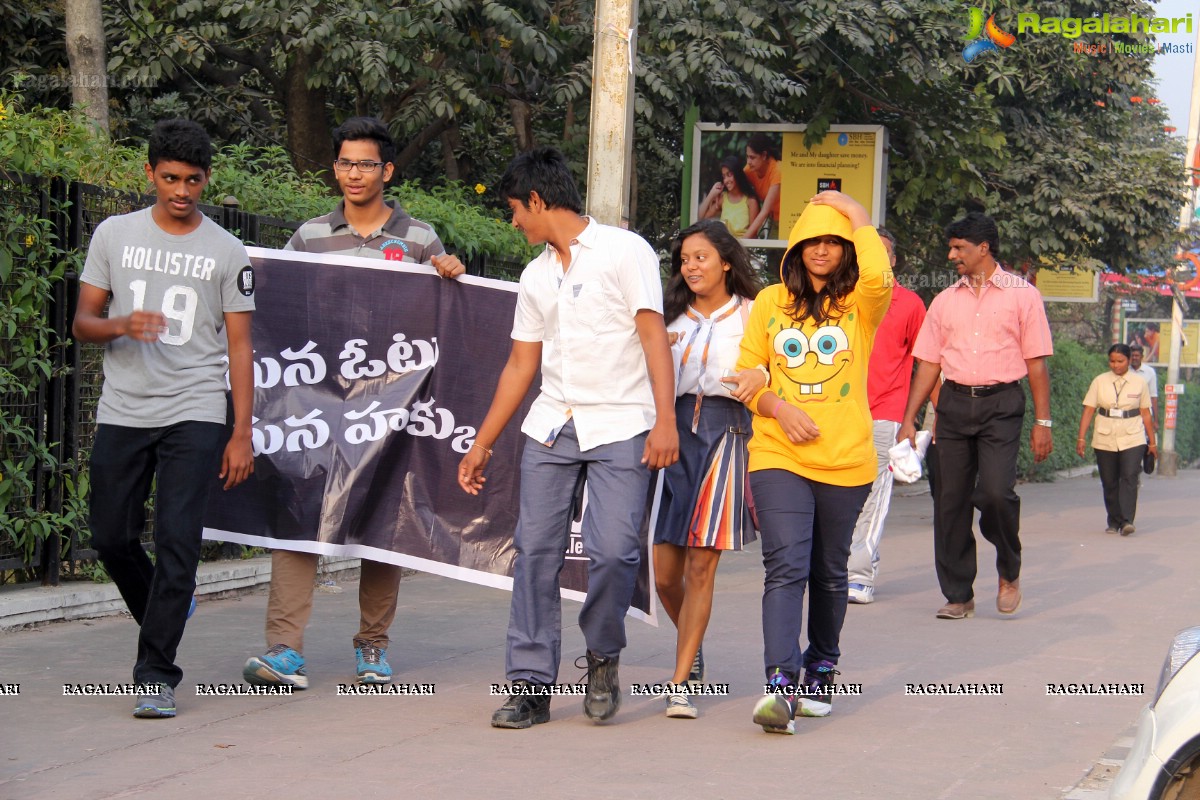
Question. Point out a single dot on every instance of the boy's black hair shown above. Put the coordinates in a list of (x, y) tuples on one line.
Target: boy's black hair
[(976, 228), (357, 129), (543, 170), (179, 140), (1124, 349)]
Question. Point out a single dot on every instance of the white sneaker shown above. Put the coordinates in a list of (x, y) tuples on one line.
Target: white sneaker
[(860, 594), (680, 706)]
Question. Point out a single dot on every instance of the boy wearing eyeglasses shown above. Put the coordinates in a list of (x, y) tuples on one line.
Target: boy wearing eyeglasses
[(363, 224)]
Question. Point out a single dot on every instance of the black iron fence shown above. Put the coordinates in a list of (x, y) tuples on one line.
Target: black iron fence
[(60, 410)]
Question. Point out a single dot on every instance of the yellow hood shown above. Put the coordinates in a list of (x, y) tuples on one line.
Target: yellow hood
[(817, 220)]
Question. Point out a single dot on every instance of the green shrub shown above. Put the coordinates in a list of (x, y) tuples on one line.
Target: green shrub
[(264, 182), (28, 350), (1072, 369), (462, 224), (1187, 426)]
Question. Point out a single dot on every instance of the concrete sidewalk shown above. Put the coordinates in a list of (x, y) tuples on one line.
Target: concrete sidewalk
[(1097, 608)]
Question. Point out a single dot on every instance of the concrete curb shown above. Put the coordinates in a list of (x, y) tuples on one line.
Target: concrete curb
[(32, 605)]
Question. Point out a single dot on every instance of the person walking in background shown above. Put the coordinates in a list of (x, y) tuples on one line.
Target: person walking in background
[(1124, 431), (811, 456), (703, 509), (1150, 335), (766, 176), (888, 377), (180, 294), (589, 315), (1148, 375), (365, 224), (731, 199), (985, 332)]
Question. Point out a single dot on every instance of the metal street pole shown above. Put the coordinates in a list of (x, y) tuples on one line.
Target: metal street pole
[(610, 134), (1169, 459)]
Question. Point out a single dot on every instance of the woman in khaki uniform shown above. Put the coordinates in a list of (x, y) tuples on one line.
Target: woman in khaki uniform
[(1123, 431)]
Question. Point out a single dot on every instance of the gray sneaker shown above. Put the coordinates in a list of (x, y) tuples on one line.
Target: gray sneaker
[(160, 703), (680, 706)]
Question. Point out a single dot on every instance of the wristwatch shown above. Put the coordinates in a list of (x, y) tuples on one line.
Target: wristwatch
[(766, 374), (1045, 423)]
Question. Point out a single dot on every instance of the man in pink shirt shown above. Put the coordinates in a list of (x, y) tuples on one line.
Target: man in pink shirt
[(985, 332), (888, 376)]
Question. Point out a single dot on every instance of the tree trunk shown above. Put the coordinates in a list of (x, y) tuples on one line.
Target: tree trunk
[(417, 144), (87, 53), (456, 169), (522, 120), (308, 132)]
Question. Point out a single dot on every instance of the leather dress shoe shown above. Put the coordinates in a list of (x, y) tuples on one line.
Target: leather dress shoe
[(957, 610), (1008, 600)]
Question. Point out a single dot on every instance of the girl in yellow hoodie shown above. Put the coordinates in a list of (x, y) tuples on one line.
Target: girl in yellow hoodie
[(812, 459)]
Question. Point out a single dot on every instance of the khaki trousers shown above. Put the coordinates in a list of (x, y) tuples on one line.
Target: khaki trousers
[(289, 605)]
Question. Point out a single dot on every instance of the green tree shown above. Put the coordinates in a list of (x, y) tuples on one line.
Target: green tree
[(1040, 134)]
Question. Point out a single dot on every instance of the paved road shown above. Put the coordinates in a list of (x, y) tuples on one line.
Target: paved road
[(1097, 609)]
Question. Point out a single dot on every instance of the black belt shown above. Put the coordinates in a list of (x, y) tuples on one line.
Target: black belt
[(1118, 413), (980, 391)]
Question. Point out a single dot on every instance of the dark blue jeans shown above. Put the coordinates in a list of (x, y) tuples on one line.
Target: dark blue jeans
[(184, 458), (806, 530)]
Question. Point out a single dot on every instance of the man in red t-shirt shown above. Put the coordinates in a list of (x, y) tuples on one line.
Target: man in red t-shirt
[(888, 376)]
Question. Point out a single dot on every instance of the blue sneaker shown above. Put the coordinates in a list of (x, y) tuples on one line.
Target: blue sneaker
[(373, 666), (816, 693), (775, 711), (279, 666), (160, 703)]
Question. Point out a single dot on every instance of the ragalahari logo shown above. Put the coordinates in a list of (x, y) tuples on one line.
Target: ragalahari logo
[(983, 37)]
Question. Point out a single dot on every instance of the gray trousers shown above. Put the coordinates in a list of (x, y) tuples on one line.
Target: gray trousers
[(617, 483), (864, 547)]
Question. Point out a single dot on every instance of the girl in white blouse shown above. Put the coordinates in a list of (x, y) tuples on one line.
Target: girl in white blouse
[(703, 506)]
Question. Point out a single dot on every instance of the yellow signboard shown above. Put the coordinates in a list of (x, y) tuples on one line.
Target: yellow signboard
[(1154, 335), (850, 158), (844, 161), (1069, 286)]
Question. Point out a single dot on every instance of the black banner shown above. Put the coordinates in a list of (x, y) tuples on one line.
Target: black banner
[(370, 377)]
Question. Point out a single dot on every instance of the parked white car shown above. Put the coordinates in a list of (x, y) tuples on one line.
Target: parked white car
[(1164, 762)]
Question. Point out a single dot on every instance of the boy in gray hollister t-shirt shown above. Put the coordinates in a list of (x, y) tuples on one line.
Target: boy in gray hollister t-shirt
[(180, 292)]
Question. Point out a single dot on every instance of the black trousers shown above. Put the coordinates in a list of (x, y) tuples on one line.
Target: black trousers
[(185, 459), (978, 439), (1119, 474)]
